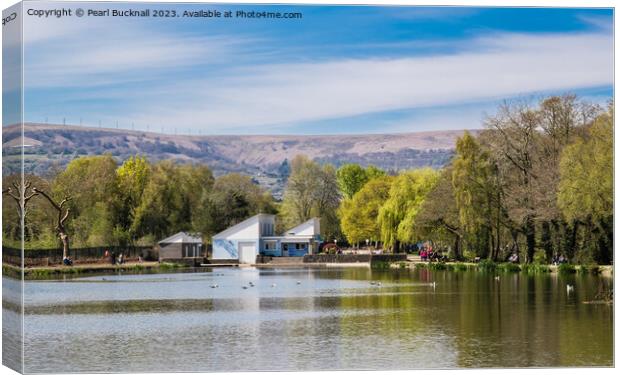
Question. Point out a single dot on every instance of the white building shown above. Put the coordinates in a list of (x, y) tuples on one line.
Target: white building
[(255, 235)]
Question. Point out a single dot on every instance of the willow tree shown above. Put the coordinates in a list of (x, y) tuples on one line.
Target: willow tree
[(477, 195), (131, 178), (397, 215), (359, 215), (585, 194)]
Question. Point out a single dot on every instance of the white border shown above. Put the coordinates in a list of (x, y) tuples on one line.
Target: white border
[(484, 3)]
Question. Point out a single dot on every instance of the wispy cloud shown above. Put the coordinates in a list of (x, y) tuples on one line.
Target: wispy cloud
[(505, 65), (98, 55), (230, 82)]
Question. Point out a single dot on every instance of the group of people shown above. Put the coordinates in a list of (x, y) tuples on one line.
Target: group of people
[(114, 258), (67, 261), (558, 259), (428, 254)]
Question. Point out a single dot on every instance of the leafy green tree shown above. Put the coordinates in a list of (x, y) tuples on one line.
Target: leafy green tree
[(477, 195), (311, 191), (91, 184), (359, 215), (162, 210), (585, 194), (351, 178), (132, 177), (233, 198), (438, 219), (398, 213), (586, 170)]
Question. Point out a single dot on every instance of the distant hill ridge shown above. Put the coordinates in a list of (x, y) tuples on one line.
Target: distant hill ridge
[(258, 155)]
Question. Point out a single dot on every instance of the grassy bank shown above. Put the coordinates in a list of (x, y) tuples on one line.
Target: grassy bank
[(489, 266), (38, 273)]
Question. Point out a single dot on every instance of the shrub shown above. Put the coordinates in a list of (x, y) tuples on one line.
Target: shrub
[(402, 265), (535, 268), (137, 267), (566, 268), (420, 265), (540, 257), (437, 266), (594, 270), (459, 267), (168, 266), (469, 255), (509, 267), (487, 265), (379, 264)]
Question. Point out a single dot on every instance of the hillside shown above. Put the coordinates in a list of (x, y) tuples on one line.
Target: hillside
[(50, 147)]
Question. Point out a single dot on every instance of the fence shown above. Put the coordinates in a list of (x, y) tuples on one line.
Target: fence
[(78, 255), (353, 258)]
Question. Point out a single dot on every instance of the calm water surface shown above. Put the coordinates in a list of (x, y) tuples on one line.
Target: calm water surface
[(313, 319)]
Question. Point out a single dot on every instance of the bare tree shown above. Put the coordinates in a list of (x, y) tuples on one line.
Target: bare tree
[(63, 214), (17, 193)]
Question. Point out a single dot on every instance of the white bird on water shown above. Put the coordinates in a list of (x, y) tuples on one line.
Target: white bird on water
[(372, 283), (273, 285), (214, 286), (434, 284), (496, 278), (569, 288)]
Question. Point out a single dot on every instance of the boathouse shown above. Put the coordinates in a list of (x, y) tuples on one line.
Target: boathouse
[(181, 245), (256, 235)]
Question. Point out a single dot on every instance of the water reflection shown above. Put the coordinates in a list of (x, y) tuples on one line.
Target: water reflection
[(314, 319)]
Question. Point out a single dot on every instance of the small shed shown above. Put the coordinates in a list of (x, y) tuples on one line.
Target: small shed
[(181, 245)]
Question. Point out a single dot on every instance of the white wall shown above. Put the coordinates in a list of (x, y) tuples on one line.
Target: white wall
[(309, 228)]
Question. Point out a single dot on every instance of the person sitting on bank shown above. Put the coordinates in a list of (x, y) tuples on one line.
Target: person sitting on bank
[(67, 261)]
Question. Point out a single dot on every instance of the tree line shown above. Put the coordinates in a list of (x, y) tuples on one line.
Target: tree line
[(537, 181)]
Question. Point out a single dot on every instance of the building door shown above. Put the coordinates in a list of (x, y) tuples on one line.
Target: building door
[(284, 249), (247, 252)]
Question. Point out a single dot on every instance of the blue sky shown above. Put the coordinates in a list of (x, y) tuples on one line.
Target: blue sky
[(337, 70)]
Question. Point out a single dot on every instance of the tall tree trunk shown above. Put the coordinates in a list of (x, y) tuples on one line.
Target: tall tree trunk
[(572, 242), (65, 244), (457, 247), (530, 238), (545, 237)]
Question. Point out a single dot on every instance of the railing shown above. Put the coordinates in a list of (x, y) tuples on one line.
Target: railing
[(42, 256)]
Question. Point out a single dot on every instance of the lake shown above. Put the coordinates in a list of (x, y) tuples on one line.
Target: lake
[(311, 319)]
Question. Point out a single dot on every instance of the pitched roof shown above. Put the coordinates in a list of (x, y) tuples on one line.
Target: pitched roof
[(302, 226), (237, 226), (183, 237)]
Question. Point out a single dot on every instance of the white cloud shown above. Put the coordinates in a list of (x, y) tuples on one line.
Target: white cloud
[(496, 67), (104, 54), (487, 68)]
